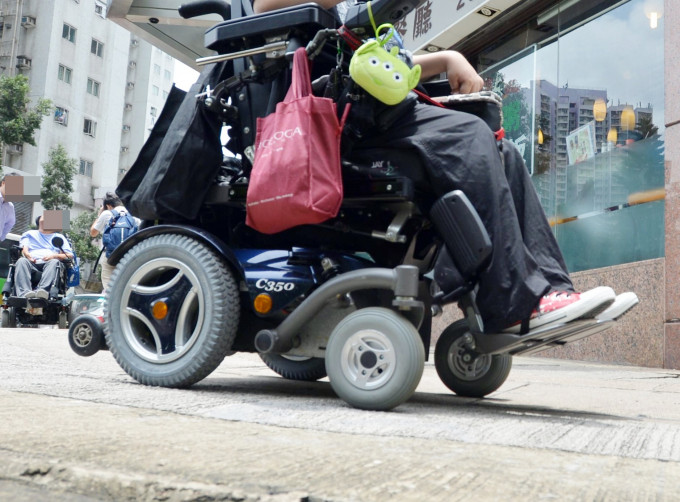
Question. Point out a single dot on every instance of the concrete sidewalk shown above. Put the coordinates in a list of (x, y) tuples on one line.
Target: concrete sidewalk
[(556, 429)]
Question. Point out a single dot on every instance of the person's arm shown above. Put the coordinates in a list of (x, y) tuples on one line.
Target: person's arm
[(462, 76), (26, 254), (9, 221), (58, 256), (94, 232), (100, 222), (260, 6)]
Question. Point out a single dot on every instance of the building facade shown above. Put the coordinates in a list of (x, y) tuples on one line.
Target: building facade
[(105, 84)]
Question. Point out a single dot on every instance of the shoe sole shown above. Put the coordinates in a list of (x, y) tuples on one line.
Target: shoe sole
[(591, 303), (623, 303)]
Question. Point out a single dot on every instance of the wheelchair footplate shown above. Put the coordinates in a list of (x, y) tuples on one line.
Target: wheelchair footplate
[(32, 306)]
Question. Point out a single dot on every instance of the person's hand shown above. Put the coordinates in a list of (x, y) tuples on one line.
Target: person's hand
[(29, 258), (462, 77), (50, 257)]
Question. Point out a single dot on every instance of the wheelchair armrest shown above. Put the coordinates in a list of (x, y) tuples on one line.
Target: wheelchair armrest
[(435, 88), (486, 105), (14, 253)]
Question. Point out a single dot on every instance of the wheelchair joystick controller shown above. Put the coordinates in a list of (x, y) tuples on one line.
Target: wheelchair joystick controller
[(58, 243)]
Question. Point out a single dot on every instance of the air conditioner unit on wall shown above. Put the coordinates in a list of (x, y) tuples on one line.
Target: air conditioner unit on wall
[(23, 62), (132, 64), (130, 85), (124, 149), (15, 149), (128, 107), (126, 128), (28, 21)]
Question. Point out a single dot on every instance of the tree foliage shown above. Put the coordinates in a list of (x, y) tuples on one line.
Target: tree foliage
[(57, 180), (647, 127), (18, 121), (80, 236)]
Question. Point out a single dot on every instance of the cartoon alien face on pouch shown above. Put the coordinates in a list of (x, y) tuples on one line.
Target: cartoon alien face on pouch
[(382, 74)]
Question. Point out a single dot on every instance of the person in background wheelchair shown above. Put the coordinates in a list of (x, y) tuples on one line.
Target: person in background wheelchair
[(526, 284), (40, 262)]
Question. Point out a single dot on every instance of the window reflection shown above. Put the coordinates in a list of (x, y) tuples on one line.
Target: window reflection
[(584, 105)]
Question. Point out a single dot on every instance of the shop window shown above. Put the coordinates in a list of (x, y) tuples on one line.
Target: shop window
[(587, 115)]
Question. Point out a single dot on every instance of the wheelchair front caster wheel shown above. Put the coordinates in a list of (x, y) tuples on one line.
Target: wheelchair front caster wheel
[(465, 372), (375, 359), (85, 335)]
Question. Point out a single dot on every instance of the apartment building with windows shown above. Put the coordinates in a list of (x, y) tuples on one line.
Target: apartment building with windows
[(105, 85)]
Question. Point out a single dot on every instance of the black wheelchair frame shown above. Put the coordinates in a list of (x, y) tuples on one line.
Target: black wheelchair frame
[(356, 294), (33, 311)]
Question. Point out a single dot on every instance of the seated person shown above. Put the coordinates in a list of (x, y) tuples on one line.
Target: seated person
[(39, 256), (526, 282)]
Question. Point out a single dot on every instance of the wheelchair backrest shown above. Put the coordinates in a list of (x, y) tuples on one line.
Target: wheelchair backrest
[(254, 39)]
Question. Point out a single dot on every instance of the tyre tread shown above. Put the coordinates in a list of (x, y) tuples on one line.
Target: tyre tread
[(216, 344)]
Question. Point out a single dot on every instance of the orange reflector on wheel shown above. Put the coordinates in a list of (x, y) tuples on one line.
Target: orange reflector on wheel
[(262, 303), (159, 310)]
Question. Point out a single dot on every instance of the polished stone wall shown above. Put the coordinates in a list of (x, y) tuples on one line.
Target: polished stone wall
[(637, 338), (672, 152)]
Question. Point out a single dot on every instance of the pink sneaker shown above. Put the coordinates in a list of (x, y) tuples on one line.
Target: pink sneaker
[(564, 306)]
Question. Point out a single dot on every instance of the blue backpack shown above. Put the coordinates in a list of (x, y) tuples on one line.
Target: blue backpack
[(119, 228)]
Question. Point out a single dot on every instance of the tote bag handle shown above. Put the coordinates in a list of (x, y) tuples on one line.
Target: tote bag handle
[(301, 85)]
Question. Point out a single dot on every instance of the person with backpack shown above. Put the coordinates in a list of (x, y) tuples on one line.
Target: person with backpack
[(115, 224)]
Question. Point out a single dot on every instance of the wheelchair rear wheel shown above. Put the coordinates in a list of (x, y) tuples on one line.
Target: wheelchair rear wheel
[(172, 311), (464, 371), (306, 369), (375, 359)]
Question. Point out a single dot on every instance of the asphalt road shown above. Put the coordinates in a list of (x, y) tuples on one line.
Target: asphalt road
[(80, 427)]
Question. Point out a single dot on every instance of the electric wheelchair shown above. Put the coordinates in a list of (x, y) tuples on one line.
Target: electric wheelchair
[(351, 298), (34, 311)]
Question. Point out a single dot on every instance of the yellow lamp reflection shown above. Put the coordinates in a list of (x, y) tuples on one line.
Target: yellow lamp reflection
[(540, 137), (612, 135), (600, 110), (627, 119)]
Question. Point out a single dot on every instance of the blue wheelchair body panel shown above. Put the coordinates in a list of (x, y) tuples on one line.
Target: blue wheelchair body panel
[(286, 276)]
